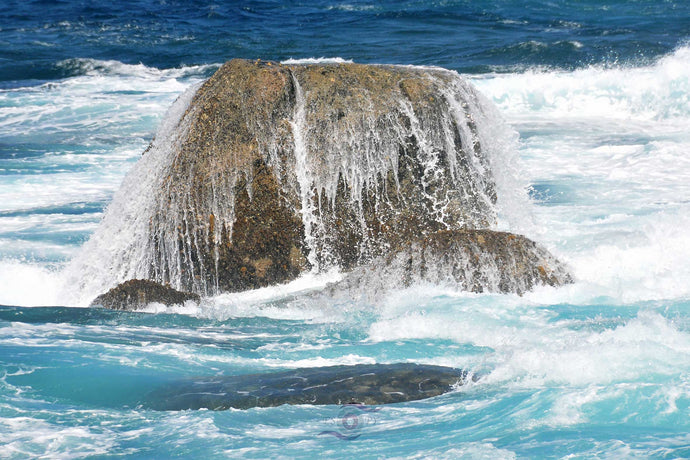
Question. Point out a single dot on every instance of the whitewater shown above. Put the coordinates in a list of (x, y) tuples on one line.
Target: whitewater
[(601, 368)]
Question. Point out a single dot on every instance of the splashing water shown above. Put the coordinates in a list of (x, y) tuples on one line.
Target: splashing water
[(123, 237), (302, 172), (340, 152)]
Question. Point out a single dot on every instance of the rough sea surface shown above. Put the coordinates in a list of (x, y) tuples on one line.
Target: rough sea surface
[(597, 95)]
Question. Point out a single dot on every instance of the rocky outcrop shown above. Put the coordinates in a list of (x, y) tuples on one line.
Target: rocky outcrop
[(136, 294), (276, 169), (471, 260), (360, 384), (288, 167)]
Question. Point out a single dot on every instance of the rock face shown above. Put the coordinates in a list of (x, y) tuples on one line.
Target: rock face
[(275, 169), (287, 167), (361, 384), (136, 294), (226, 222)]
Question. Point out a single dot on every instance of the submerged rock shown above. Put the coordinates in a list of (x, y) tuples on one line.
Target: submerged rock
[(368, 384), (136, 294), (470, 260)]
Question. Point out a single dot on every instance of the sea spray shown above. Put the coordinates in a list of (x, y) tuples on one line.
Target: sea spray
[(614, 198), (65, 147), (650, 93), (116, 252)]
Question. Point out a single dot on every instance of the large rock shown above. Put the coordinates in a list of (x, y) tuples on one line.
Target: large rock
[(286, 167), (275, 169)]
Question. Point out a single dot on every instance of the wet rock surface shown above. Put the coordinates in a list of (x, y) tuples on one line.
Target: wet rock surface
[(136, 294), (285, 167), (368, 384), (470, 260), (273, 170)]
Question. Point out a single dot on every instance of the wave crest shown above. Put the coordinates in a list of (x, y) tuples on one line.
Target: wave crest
[(95, 67), (321, 60), (654, 92)]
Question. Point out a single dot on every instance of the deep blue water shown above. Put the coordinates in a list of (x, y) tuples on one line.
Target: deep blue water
[(599, 95), (465, 35)]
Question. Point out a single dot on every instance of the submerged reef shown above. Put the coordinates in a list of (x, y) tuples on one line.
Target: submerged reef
[(368, 384)]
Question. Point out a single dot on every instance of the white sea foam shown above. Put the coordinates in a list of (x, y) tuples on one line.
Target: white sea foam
[(321, 60), (94, 105), (659, 91), (352, 7), (28, 284), (467, 450), (606, 148), (27, 437), (283, 301), (96, 67), (66, 184), (81, 135), (530, 348)]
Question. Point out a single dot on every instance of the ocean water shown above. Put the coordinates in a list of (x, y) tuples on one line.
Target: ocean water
[(596, 96)]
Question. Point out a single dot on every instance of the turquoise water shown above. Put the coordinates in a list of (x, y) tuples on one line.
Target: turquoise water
[(598, 97), (554, 381)]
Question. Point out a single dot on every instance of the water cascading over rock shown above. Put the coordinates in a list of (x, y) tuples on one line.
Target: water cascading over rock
[(268, 170)]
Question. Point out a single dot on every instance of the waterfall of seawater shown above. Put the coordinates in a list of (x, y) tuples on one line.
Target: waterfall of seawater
[(120, 248), (349, 153), (480, 120), (304, 177), (462, 152)]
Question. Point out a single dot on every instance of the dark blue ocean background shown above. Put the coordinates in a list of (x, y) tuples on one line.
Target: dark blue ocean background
[(596, 95), (467, 36)]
